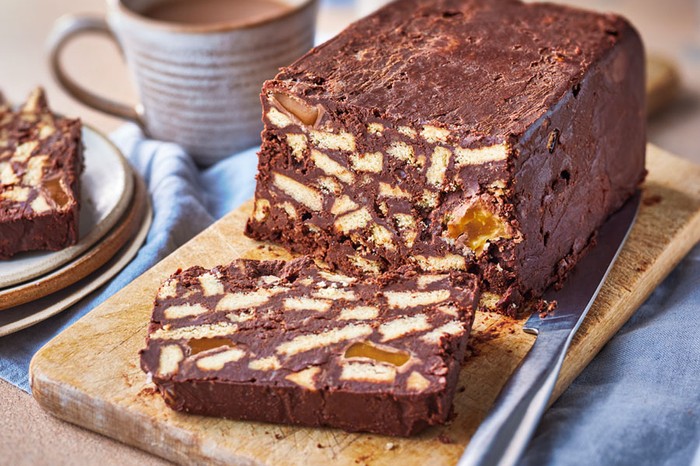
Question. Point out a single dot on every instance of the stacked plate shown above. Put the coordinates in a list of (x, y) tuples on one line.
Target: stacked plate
[(115, 216)]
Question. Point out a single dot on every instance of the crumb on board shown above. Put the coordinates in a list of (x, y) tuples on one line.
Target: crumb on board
[(643, 266), (652, 200), (148, 391)]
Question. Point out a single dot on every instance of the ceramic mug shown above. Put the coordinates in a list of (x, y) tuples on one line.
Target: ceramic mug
[(198, 85)]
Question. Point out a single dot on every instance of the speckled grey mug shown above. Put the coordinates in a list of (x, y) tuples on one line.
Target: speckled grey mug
[(198, 85)]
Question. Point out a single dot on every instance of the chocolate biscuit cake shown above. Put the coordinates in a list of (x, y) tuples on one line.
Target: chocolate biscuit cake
[(483, 136), (41, 159), (289, 342)]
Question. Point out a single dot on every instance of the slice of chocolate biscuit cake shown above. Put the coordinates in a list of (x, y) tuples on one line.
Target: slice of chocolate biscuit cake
[(41, 159), (488, 136), (292, 343)]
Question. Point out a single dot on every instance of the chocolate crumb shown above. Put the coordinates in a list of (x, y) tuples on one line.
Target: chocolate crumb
[(652, 200), (148, 391), (642, 267)]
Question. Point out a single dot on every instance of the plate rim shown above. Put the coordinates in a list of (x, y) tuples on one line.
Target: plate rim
[(62, 257)]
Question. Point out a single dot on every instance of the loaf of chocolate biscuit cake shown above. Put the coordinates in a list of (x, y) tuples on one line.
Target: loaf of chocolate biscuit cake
[(488, 136), (293, 343), (41, 159)]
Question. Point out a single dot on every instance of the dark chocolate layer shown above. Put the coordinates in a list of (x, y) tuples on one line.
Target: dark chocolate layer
[(492, 67)]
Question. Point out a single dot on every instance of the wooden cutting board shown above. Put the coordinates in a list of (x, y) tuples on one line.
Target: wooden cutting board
[(90, 375)]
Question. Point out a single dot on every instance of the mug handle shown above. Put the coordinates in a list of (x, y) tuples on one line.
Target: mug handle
[(66, 29)]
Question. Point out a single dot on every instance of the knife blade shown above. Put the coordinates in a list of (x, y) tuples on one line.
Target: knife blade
[(505, 432)]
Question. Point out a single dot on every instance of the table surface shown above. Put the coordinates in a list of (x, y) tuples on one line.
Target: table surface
[(30, 436)]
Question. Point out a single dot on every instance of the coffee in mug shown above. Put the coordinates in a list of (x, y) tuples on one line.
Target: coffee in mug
[(216, 11)]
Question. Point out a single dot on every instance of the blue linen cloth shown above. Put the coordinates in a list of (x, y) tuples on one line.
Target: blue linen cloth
[(637, 403)]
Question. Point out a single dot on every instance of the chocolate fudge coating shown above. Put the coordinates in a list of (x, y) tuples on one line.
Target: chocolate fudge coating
[(41, 159), (492, 137), (296, 344)]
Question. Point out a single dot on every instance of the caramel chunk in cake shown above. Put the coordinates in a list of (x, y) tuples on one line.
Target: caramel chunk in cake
[(289, 342), (488, 136), (41, 159)]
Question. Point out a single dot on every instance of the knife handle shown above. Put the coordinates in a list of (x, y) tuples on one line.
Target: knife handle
[(506, 431)]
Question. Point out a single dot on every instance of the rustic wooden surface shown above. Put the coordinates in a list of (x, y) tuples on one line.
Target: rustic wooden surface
[(90, 375)]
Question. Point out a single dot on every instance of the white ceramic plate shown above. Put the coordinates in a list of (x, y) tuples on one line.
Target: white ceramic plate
[(32, 313), (106, 190)]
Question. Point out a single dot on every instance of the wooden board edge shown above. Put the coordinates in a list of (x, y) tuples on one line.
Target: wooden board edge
[(71, 405), (671, 256)]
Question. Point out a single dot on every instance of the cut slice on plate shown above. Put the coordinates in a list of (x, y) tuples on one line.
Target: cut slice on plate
[(107, 189), (41, 159)]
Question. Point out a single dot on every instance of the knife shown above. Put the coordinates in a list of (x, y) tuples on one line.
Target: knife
[(506, 431)]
